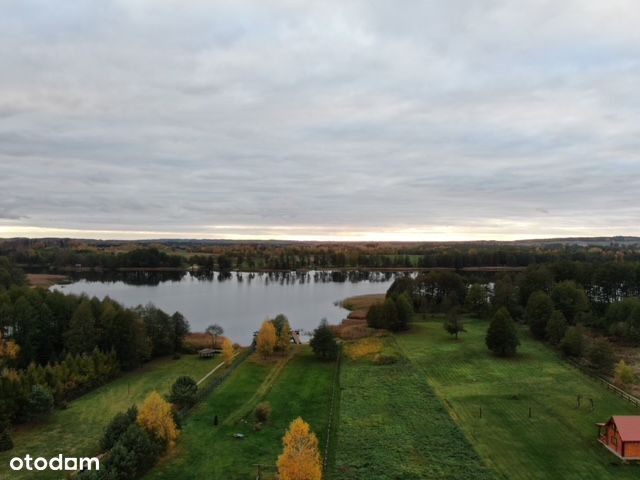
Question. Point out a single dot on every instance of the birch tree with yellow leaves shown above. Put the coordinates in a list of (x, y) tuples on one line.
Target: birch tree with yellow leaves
[(267, 339), (156, 418), (300, 459)]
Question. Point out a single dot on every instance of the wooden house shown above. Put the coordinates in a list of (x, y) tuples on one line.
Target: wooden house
[(621, 435)]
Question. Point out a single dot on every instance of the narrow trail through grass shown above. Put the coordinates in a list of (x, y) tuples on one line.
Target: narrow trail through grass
[(296, 385), (262, 391)]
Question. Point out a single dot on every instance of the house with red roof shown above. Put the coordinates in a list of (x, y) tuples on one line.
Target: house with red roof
[(621, 435)]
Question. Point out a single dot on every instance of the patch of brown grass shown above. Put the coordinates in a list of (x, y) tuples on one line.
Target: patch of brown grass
[(358, 314), (362, 302), (45, 280), (199, 340)]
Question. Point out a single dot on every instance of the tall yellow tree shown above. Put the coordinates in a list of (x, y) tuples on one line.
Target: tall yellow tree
[(284, 339), (300, 459), (227, 351), (267, 339), (155, 417)]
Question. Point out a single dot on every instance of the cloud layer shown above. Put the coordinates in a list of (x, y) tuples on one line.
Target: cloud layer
[(328, 119)]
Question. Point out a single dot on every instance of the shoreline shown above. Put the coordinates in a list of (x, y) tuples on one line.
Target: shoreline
[(46, 280)]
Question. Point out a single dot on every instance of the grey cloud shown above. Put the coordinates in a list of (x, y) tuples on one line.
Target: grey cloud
[(156, 116)]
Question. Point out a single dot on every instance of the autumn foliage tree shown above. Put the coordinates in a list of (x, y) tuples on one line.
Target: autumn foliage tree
[(8, 348), (300, 459), (155, 417), (227, 351), (267, 339)]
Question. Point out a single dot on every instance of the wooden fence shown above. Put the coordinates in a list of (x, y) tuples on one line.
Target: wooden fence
[(610, 386)]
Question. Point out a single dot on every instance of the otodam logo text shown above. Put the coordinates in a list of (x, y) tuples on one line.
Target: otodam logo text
[(58, 463)]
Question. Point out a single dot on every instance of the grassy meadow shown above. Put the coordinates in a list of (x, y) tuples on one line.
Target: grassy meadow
[(393, 426), (296, 386), (557, 442), (76, 431)]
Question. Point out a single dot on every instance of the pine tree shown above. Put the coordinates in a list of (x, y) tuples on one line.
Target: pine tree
[(323, 342), (300, 459), (453, 323), (502, 337), (184, 391), (81, 335)]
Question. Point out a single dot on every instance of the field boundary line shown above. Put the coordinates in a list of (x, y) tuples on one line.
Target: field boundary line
[(332, 424), (212, 386)]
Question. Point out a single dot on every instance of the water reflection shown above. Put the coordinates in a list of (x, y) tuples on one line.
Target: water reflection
[(151, 277), (239, 301)]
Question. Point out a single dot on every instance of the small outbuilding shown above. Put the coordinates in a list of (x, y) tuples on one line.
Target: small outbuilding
[(208, 352), (621, 435)]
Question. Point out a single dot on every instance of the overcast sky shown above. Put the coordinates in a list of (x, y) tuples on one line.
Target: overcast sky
[(329, 119)]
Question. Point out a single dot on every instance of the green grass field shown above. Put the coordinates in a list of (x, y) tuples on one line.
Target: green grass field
[(76, 431), (393, 426), (558, 442), (299, 387)]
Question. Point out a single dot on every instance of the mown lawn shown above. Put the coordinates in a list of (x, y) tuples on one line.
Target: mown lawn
[(557, 442), (393, 426), (77, 430), (299, 387)]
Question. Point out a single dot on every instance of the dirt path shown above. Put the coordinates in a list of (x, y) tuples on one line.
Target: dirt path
[(262, 391), (214, 370)]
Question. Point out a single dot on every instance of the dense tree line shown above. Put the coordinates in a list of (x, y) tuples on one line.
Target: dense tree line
[(49, 324), (601, 296), (59, 253), (66, 345), (65, 257)]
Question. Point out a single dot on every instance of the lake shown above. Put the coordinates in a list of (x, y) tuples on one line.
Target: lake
[(239, 302)]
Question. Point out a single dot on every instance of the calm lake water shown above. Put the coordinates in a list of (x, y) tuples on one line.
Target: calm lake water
[(240, 302)]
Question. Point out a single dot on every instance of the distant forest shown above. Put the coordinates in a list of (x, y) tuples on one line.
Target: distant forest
[(68, 254)]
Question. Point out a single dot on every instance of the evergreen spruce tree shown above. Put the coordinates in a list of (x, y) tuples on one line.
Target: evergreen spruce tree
[(323, 343), (502, 337)]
